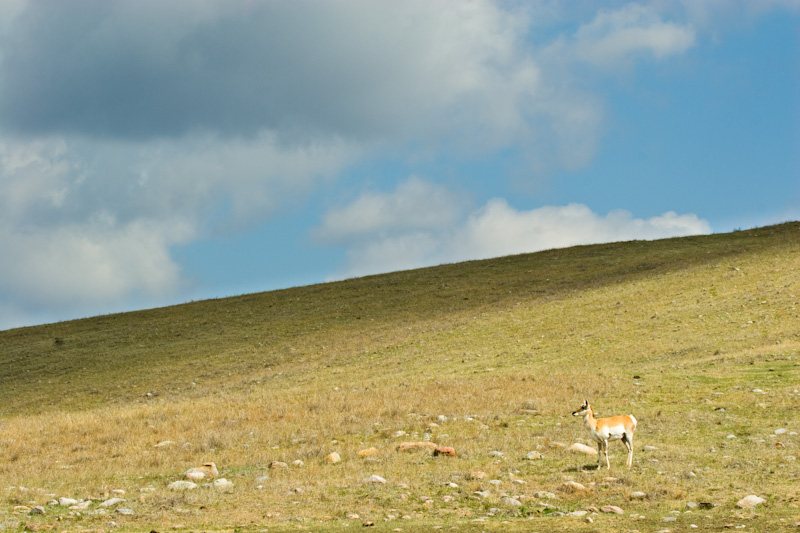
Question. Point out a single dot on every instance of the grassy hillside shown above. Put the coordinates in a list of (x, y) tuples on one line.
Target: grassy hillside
[(489, 357)]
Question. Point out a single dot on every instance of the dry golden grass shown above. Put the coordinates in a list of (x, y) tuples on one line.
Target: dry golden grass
[(679, 333)]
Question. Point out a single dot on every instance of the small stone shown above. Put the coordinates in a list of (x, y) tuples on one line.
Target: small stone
[(298, 463), (545, 495), (638, 495), (477, 474), (125, 511), (613, 509), (669, 519), (369, 452), (780, 431), (531, 456), (582, 448), (748, 502), (333, 458), (496, 454), (352, 516), (413, 446), (573, 486), (222, 484), (81, 506), (66, 502), (278, 464), (198, 473), (374, 479), (37, 510), (510, 502), (482, 494), (649, 448), (182, 485), (163, 443), (111, 502)]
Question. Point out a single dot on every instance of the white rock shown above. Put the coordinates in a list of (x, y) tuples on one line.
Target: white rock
[(638, 495), (182, 485), (748, 502), (374, 479), (573, 486), (482, 494), (67, 502), (163, 443), (511, 502), (582, 448), (612, 509), (780, 431), (496, 454), (124, 511), (530, 456), (81, 506), (111, 502), (649, 448), (222, 484)]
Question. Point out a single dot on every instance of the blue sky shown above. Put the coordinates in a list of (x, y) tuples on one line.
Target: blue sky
[(154, 153)]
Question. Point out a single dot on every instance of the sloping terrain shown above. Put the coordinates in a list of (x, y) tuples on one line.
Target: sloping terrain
[(698, 337)]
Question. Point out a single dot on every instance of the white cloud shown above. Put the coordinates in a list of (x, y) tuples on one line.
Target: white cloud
[(615, 38), (415, 205), (494, 230)]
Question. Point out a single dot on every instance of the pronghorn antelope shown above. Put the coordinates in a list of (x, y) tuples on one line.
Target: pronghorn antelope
[(606, 429)]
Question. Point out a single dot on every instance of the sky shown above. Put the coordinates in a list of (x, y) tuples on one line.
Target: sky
[(154, 153)]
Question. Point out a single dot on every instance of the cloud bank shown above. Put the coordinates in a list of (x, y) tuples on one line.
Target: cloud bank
[(130, 127), (433, 226)]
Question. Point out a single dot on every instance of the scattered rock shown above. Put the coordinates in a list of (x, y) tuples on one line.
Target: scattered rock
[(111, 502), (477, 474), (297, 463), (545, 495), (748, 502), (780, 431), (582, 448), (638, 495), (278, 464), (222, 484), (374, 479), (398, 434), (669, 519), (333, 458), (510, 502), (482, 494), (558, 445), (352, 516), (649, 448), (447, 451), (369, 452), (67, 502), (163, 443), (125, 511), (573, 486), (613, 509), (496, 454), (81, 505), (531, 456), (37, 510), (181, 485), (413, 446), (198, 473)]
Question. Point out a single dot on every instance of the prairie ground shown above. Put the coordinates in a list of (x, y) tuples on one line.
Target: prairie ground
[(699, 338)]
